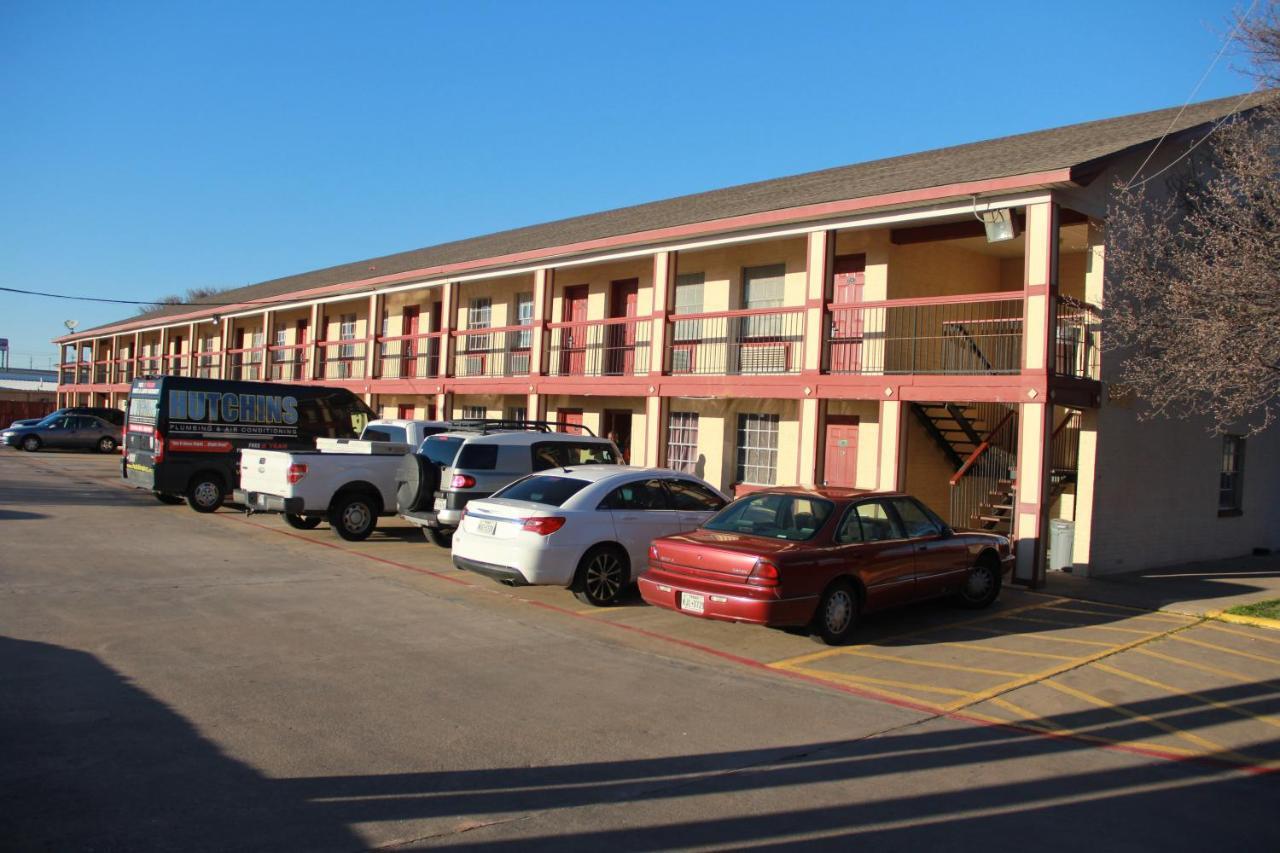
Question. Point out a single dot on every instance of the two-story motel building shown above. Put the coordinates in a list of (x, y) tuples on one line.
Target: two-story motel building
[(849, 327)]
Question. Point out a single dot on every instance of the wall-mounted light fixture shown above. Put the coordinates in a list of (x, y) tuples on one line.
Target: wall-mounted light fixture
[(217, 318), (1000, 224)]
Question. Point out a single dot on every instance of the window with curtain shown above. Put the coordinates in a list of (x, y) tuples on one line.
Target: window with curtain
[(682, 441), (757, 449)]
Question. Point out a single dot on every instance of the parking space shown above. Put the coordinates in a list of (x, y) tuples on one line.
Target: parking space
[(1156, 683)]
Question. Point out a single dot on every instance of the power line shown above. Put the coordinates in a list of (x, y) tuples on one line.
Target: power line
[(138, 301), (1205, 76), (1219, 123)]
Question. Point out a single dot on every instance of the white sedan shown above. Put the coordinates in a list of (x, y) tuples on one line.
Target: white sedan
[(587, 527)]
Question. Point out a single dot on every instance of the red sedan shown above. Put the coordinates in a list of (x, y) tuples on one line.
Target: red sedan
[(821, 557)]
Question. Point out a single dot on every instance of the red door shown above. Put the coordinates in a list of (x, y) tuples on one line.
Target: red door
[(573, 350), (849, 276), (409, 326), (297, 360), (623, 295), (841, 467), (405, 411), (570, 416)]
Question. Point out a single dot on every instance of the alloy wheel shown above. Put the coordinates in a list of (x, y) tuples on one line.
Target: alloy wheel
[(603, 579)]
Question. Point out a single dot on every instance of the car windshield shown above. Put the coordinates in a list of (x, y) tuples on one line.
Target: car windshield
[(440, 449), (793, 517), (545, 489)]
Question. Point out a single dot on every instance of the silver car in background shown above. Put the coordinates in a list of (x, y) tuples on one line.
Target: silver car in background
[(65, 432)]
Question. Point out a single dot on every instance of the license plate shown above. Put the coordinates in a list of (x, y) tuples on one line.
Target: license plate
[(692, 602), (485, 528), (440, 504)]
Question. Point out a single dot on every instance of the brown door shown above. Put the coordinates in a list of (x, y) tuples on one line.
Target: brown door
[(573, 350), (405, 411), (847, 323), (572, 417), (409, 346), (841, 466), (621, 358), (617, 428)]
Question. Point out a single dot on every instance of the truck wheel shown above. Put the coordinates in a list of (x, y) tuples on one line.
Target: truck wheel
[(439, 537), (171, 500), (353, 516), (302, 522), (206, 492)]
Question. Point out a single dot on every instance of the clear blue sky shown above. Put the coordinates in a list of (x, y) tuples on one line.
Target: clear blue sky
[(149, 147)]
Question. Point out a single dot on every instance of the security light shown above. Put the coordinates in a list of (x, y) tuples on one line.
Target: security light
[(1000, 224)]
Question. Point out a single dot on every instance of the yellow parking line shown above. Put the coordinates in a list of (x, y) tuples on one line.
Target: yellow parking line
[(1191, 737), (1165, 616), (931, 664), (1264, 658), (1035, 677), (1090, 627), (1213, 627), (1238, 676), (1140, 679), (1032, 721), (997, 649), (1047, 638), (841, 678), (888, 682), (966, 623)]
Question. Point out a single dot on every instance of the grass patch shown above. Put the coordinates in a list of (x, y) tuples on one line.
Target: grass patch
[(1265, 609)]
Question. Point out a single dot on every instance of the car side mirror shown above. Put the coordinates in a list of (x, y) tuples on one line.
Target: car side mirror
[(947, 531)]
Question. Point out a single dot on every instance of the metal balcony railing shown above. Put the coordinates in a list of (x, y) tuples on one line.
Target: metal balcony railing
[(1076, 339), (288, 363), (245, 364), (973, 334), (503, 351), (208, 364), (737, 343), (410, 356), (615, 347), (342, 359)]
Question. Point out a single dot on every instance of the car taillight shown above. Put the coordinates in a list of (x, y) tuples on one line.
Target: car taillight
[(763, 573), (544, 525), (157, 447), (462, 481), (296, 472), (653, 552)]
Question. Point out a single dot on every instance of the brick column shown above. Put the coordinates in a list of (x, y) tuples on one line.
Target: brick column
[(1031, 511)]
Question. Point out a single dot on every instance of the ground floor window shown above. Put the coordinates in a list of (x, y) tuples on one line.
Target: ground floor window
[(758, 449), (517, 413), (1231, 481), (682, 441), (474, 412)]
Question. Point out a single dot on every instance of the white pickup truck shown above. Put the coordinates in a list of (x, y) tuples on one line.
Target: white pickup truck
[(347, 481)]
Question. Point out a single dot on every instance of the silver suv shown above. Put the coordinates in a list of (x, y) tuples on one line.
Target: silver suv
[(435, 483)]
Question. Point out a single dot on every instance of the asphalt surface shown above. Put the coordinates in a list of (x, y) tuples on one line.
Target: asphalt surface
[(171, 681)]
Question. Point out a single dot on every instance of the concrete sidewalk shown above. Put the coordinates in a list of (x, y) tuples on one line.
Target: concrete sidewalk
[(1191, 588)]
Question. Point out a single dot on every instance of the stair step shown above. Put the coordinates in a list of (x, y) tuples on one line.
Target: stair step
[(994, 518)]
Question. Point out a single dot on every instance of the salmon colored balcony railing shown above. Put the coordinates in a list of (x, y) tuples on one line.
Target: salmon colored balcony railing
[(972, 334), (409, 356), (616, 347), (342, 359), (738, 343), (245, 363), (102, 372), (208, 364), (499, 351), (288, 363), (175, 364), (125, 369)]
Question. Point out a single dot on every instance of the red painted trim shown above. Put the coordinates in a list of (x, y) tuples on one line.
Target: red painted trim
[(753, 220)]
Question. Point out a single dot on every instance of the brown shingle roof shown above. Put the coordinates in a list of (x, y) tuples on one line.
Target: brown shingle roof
[(1040, 151)]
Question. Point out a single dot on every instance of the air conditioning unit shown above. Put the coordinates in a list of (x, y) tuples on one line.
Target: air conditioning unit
[(764, 358)]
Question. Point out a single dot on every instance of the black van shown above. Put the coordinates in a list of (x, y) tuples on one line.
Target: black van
[(183, 436)]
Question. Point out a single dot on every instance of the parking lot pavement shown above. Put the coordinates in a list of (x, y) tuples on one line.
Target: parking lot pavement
[(186, 681)]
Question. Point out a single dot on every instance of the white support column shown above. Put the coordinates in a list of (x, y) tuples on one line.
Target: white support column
[(268, 339), (656, 409), (313, 368), (374, 331), (665, 265), (1087, 452)]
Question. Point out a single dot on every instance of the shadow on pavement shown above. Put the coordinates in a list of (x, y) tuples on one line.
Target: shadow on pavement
[(93, 762), (1197, 587)]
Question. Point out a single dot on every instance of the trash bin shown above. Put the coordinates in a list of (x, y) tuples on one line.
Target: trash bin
[(1062, 535)]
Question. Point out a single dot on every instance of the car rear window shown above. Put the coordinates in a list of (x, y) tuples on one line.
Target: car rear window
[(384, 432), (440, 449), (546, 489), (477, 457), (792, 517)]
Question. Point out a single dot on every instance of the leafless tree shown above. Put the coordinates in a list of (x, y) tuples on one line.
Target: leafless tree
[(193, 294), (1193, 265)]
